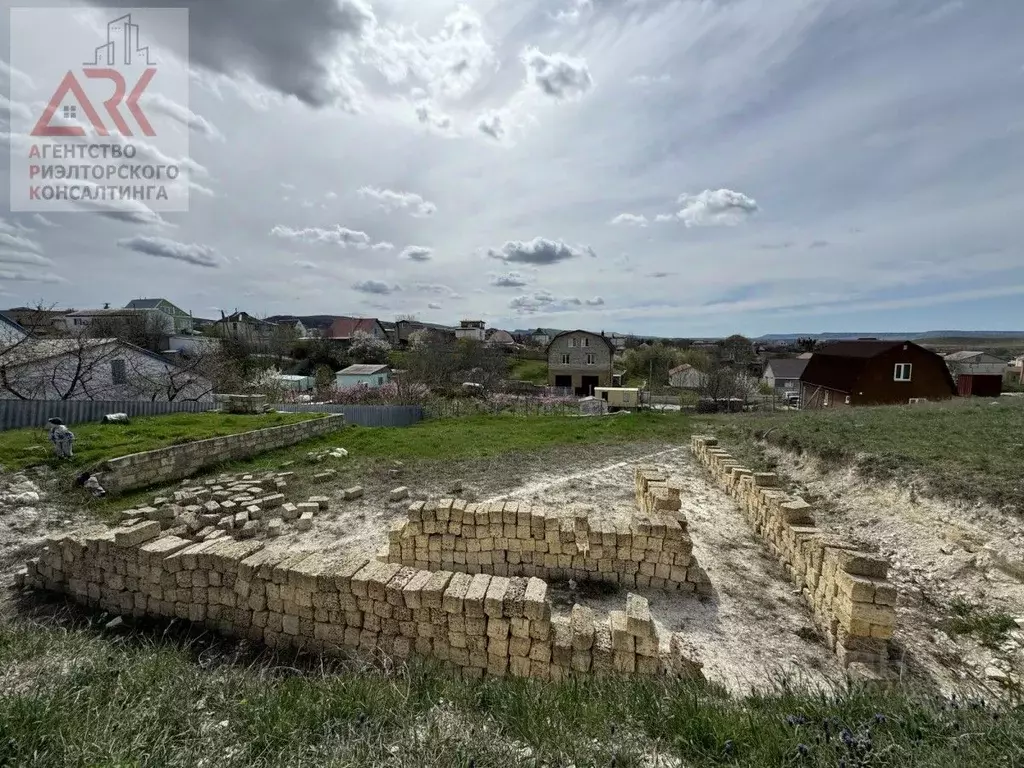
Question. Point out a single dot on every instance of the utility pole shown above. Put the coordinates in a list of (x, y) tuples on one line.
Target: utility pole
[(650, 379)]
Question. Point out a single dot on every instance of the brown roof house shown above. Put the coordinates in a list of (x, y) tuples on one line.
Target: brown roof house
[(872, 372), (580, 360), (343, 328)]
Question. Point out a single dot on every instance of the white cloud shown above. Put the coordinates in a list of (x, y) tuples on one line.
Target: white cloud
[(720, 207), (23, 257), (492, 123), (428, 114), (38, 218), (433, 305), (543, 302), (597, 301), (574, 12), (650, 79), (629, 219), (162, 247), (18, 242), (416, 253), (557, 75), (20, 276), (338, 235), (383, 245), (307, 265), (376, 287), (432, 288), (160, 103), (539, 251), (509, 280), (390, 200)]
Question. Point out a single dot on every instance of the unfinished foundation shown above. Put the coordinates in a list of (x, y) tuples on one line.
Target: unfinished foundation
[(651, 548), (852, 602)]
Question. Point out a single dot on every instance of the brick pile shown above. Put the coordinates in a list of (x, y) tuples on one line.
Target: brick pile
[(241, 506), (340, 603), (847, 589), (512, 538)]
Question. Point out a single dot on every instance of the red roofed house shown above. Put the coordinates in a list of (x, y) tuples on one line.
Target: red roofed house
[(343, 328), (873, 372)]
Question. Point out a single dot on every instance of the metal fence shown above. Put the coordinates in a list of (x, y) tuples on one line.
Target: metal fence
[(15, 414), (34, 413), (363, 415)]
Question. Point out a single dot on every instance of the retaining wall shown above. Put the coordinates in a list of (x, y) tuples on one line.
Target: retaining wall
[(852, 601), (141, 470), (511, 538), (480, 624)]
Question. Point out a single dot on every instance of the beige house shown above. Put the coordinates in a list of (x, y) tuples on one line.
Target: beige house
[(580, 360)]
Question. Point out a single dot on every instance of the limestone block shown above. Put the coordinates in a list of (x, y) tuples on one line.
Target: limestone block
[(433, 590), (305, 521), (638, 616), (399, 493), (494, 600), (134, 535), (581, 623), (455, 595), (355, 492)]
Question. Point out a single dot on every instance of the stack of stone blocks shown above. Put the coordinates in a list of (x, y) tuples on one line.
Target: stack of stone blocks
[(847, 589), (241, 505), (166, 465), (342, 603), (512, 538)]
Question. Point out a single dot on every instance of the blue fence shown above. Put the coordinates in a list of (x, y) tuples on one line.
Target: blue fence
[(15, 414)]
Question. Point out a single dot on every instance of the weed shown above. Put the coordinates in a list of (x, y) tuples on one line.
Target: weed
[(989, 627)]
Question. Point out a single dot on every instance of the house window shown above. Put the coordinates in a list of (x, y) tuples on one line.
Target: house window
[(565, 359), (118, 372), (380, 380), (574, 342), (586, 341), (902, 372), (591, 358)]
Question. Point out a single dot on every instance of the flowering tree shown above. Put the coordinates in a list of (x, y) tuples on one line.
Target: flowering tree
[(368, 349)]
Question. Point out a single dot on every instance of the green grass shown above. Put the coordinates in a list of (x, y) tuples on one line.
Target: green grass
[(94, 443), (965, 451), (990, 628), (534, 371), (73, 696)]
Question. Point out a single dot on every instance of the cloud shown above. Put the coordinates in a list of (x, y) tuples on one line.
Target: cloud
[(416, 253), (557, 75), (574, 12), (22, 257), (546, 303), (287, 186), (539, 251), (383, 245), (164, 248), (433, 305), (331, 195), (390, 200), (650, 79), (290, 48), (629, 220), (819, 244), (597, 301), (19, 276), (448, 64), (160, 103), (432, 288), (376, 287), (492, 124), (308, 265), (721, 207), (510, 280), (428, 114), (13, 108), (42, 221), (659, 274), (13, 73), (18, 242), (338, 235)]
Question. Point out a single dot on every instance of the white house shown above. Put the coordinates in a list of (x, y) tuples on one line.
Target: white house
[(685, 376), (95, 369), (182, 320), (470, 329), (10, 332), (363, 374), (150, 321)]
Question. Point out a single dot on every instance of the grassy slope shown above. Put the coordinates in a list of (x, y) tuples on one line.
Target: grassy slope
[(967, 451), (98, 442), (535, 371), (75, 697)]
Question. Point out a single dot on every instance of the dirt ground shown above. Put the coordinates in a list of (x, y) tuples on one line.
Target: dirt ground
[(754, 631), (940, 553)]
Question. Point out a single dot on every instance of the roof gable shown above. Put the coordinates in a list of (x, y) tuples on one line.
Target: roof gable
[(346, 327), (787, 368), (605, 339)]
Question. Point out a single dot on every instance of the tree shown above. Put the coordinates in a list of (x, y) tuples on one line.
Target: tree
[(324, 381), (738, 348), (651, 363), (807, 344), (723, 383), (368, 349), (440, 362)]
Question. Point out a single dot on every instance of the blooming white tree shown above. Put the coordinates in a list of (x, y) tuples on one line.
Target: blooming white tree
[(366, 348)]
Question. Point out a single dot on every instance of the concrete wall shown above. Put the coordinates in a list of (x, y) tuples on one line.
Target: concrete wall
[(511, 538), (164, 465), (847, 590), (338, 603)]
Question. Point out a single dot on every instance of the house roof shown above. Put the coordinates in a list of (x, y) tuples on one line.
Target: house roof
[(838, 366), (244, 317), (44, 349), (4, 320), (680, 369), (605, 339), (969, 355), (787, 368), (501, 337), (108, 312), (362, 369), (345, 327), (143, 304)]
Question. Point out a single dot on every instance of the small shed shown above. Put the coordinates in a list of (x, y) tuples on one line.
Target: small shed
[(296, 383), (976, 373), (619, 397), (367, 375)]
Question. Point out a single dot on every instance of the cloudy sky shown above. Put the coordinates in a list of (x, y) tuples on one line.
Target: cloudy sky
[(671, 167)]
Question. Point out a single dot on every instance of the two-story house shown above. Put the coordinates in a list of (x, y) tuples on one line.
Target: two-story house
[(470, 329), (182, 320), (146, 328), (243, 327), (580, 360)]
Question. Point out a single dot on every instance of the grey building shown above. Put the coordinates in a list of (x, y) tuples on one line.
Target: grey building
[(581, 360), (783, 375)]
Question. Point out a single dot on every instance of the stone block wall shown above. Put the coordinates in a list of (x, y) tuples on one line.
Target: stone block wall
[(337, 603), (847, 589), (511, 538), (164, 465)]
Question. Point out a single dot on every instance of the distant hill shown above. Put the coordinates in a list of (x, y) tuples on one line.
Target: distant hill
[(911, 335)]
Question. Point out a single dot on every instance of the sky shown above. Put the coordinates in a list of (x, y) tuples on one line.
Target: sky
[(683, 168)]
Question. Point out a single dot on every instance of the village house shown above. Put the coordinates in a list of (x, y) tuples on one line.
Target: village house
[(363, 374), (470, 329), (873, 372), (499, 338), (181, 319), (685, 376), (344, 328), (581, 361), (783, 375), (244, 328), (976, 373), (40, 323), (145, 327)]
